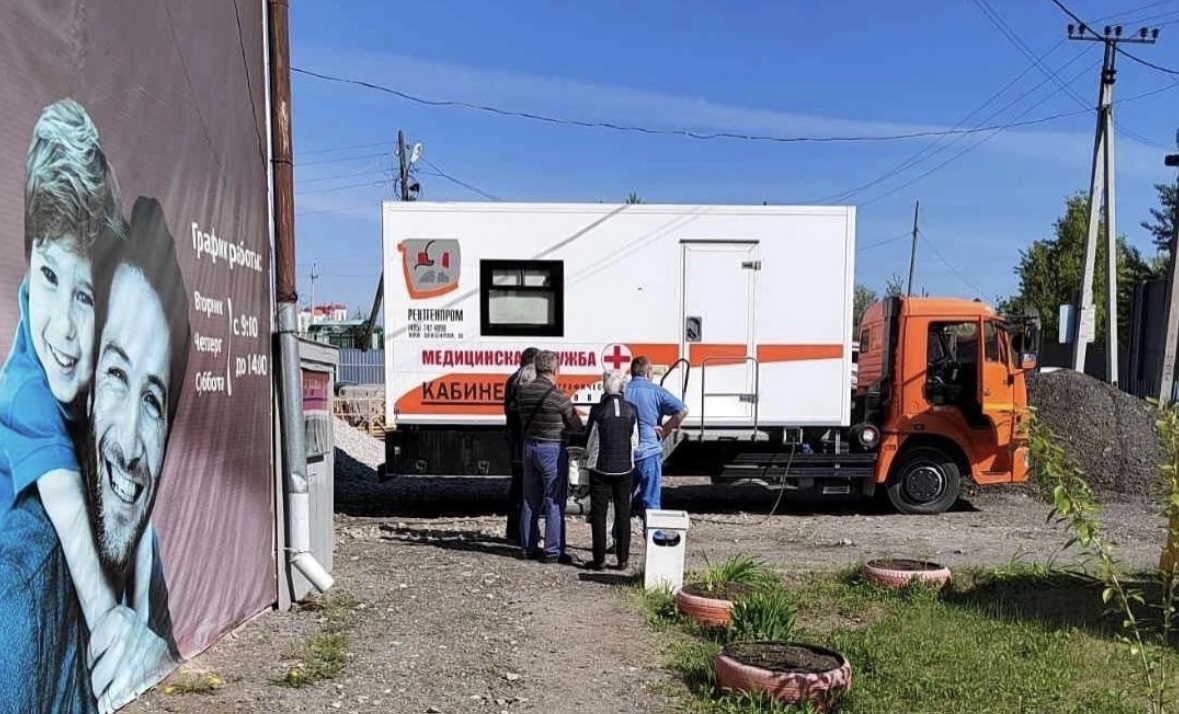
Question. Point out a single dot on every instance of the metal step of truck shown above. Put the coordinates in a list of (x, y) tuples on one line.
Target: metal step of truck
[(799, 467)]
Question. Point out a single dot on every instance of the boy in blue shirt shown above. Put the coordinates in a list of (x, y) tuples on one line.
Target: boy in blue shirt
[(73, 228)]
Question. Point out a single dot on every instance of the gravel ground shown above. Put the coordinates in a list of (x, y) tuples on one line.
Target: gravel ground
[(451, 621), (1112, 433)]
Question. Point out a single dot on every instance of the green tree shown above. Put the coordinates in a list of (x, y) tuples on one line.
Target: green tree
[(863, 298), (895, 286), (633, 198), (1162, 223), (1050, 271)]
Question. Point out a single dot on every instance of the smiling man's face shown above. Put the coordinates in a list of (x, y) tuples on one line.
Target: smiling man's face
[(61, 317), (129, 418)]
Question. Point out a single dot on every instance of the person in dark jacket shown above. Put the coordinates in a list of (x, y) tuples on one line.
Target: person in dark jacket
[(613, 435), (547, 419), (515, 447)]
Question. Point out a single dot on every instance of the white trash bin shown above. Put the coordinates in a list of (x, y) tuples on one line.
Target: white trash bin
[(667, 535)]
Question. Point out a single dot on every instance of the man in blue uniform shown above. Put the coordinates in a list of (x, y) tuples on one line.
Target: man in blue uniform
[(653, 404)]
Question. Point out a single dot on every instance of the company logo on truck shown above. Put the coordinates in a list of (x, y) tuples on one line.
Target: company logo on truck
[(431, 266)]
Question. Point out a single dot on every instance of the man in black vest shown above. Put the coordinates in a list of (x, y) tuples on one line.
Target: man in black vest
[(515, 447), (613, 429)]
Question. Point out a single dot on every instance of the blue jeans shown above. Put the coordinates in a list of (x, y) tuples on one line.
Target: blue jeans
[(546, 484), (648, 485)]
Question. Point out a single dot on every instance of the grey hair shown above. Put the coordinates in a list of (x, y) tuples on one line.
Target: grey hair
[(527, 374), (70, 189), (546, 362), (612, 381)]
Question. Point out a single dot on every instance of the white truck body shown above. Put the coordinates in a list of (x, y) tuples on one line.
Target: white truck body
[(757, 299)]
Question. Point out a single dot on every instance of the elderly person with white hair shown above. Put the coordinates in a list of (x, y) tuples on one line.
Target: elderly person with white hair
[(612, 435)]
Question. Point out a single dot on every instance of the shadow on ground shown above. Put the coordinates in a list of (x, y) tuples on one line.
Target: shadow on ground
[(1058, 600), (358, 492), (467, 541)]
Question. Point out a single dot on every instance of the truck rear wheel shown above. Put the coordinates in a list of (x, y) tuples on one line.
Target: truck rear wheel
[(926, 480)]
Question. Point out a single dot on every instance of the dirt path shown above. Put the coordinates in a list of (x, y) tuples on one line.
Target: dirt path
[(450, 621)]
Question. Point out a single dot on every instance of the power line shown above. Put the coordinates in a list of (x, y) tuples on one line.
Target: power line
[(344, 148), (965, 281), (970, 148), (332, 189), (346, 159), (1147, 63), (992, 135), (682, 133), (337, 177), (886, 241), (997, 20), (1125, 53), (458, 182), (340, 209), (1133, 10), (916, 158)]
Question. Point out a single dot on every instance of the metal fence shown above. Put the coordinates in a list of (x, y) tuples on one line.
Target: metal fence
[(361, 366), (1138, 359)]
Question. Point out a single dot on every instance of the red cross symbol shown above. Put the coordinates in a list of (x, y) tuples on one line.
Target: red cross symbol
[(616, 356)]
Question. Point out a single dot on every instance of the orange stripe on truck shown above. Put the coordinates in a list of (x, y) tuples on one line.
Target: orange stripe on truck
[(766, 354), (482, 394), (798, 353)]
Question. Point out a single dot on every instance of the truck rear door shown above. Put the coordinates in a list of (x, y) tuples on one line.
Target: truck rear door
[(718, 294)]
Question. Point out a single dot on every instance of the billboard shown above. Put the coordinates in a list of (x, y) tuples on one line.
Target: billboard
[(136, 481)]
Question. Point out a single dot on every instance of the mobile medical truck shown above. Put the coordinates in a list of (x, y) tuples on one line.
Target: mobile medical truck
[(745, 312)]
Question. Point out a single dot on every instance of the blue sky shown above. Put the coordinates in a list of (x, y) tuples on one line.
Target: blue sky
[(836, 68)]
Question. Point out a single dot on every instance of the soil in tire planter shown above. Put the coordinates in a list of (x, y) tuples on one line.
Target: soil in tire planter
[(727, 591), (905, 564), (783, 658)]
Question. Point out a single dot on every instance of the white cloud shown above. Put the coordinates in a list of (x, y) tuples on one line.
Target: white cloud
[(566, 98)]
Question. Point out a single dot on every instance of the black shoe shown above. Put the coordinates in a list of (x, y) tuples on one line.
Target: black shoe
[(621, 565), (595, 565)]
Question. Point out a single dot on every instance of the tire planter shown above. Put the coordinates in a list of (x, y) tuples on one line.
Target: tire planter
[(787, 671), (706, 608), (899, 572)]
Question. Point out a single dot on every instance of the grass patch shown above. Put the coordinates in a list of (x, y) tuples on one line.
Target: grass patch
[(194, 684), (324, 654), (1002, 641)]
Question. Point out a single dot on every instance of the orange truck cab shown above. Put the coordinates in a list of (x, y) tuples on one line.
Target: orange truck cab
[(943, 382), (931, 404)]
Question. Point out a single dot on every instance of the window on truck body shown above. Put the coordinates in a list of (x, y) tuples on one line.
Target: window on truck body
[(522, 298)]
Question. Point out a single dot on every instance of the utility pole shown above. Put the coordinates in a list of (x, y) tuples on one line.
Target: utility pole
[(1101, 191), (913, 248), (1171, 305), (403, 161), (314, 277)]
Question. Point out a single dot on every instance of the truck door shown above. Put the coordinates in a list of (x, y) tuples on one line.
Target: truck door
[(718, 299), (996, 391)]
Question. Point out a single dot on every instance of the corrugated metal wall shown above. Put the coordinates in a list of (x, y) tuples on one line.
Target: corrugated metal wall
[(1146, 340), (361, 366), (1138, 357)]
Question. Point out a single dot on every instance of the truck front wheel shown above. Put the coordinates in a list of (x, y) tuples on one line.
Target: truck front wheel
[(925, 480)]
